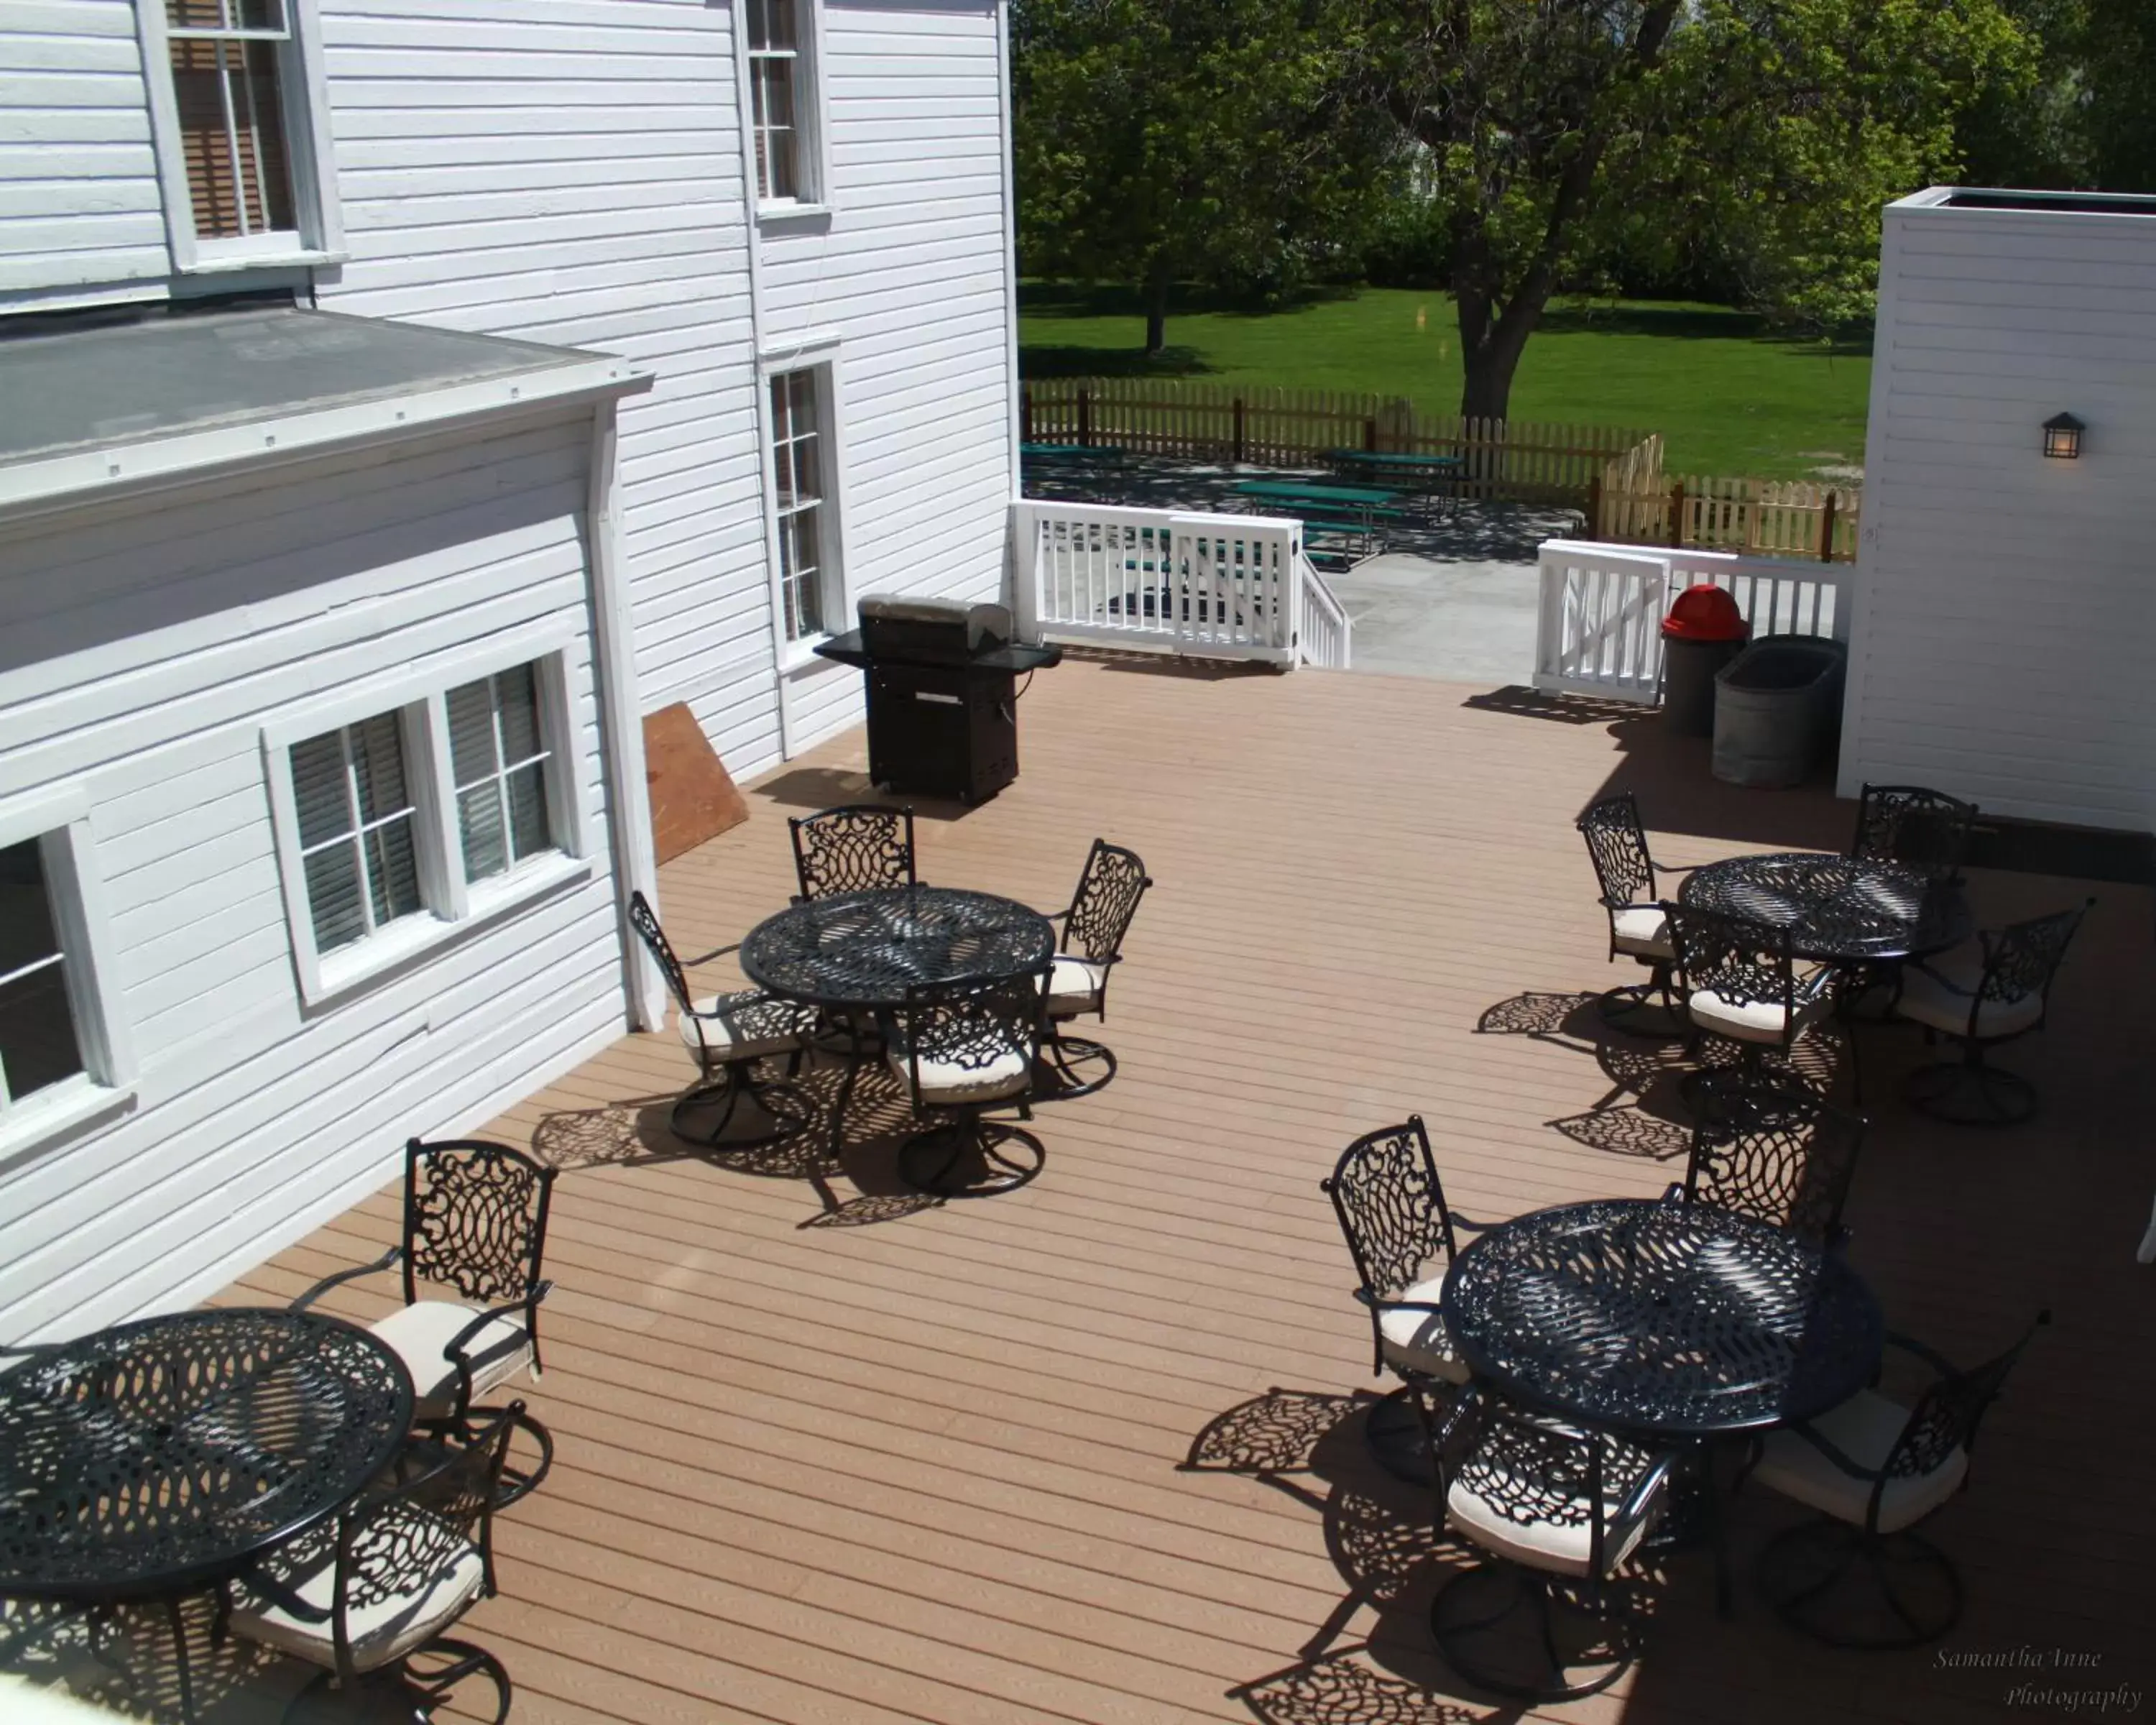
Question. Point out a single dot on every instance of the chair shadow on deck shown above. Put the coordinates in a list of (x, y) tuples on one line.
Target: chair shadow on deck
[(637, 1132), (130, 1667)]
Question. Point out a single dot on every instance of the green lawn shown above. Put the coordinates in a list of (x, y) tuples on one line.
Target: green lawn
[(1728, 397)]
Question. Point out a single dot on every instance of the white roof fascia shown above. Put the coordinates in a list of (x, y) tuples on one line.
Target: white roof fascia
[(81, 476)]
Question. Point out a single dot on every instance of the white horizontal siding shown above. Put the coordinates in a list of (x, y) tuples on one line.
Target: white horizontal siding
[(141, 648), (2003, 629), (571, 172), (80, 203)]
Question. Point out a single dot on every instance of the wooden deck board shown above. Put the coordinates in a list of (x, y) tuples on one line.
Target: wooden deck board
[(930, 1467)]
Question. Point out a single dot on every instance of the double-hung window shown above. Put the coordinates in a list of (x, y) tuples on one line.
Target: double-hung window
[(63, 1049), (245, 156), (432, 807), (783, 100), (800, 464)]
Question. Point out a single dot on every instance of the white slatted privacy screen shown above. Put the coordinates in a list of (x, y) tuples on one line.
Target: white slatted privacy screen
[(39, 1045)]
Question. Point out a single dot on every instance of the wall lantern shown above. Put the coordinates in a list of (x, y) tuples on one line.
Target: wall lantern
[(2062, 437)]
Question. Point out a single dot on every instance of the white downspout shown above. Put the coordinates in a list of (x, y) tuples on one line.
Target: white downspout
[(621, 714)]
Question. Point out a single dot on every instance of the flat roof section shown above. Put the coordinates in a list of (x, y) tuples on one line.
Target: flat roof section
[(108, 384)]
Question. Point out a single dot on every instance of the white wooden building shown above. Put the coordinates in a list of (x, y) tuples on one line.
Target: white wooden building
[(2004, 622), (633, 343)]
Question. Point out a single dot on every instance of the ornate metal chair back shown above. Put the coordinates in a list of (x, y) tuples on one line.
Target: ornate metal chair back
[(853, 849), (397, 1537), (1946, 1418), (2020, 960), (1109, 888), (645, 922), (474, 1218), (969, 1027), (1780, 1156), (1391, 1204), (1745, 962), (1618, 844), (1927, 830)]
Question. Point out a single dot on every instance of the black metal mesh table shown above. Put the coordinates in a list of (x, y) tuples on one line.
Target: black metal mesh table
[(1837, 908), (1677, 1321), (162, 1454), (862, 950)]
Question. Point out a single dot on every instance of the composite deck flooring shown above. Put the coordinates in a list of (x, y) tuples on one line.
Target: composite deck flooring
[(1089, 1451)]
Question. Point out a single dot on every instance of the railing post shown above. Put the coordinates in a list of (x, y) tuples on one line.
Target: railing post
[(1826, 526), (1086, 418), (1677, 515), (1239, 431)]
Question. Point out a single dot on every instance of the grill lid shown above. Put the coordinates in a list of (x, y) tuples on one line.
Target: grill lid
[(943, 627)]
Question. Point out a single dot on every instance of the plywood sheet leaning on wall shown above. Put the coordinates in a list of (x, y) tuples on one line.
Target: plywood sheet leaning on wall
[(693, 796)]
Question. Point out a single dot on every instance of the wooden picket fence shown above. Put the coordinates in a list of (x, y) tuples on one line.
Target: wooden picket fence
[(1632, 504), (1512, 459)]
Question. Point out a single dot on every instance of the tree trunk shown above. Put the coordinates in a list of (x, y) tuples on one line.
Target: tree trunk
[(1490, 351), (1156, 301)]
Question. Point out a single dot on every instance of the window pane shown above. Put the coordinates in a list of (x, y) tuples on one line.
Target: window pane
[(471, 732), (392, 871), (807, 483), (27, 933), (319, 789), (779, 27), (479, 822), (333, 897), (518, 692), (529, 830), (232, 135), (378, 759), (38, 1044), (195, 14)]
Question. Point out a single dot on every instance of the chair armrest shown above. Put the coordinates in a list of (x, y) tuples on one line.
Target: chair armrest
[(1820, 983), (1674, 1193), (1834, 1453), (1641, 1498), (259, 1581), (454, 1348), (342, 1276), (1923, 1351), (706, 958)]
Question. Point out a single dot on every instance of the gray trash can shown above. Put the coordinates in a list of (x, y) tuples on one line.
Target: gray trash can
[(1775, 706)]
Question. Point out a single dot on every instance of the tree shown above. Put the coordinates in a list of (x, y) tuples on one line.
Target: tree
[(1208, 141), (1772, 129)]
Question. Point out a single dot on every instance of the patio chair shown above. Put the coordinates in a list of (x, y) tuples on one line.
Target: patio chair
[(1558, 1509), (854, 849), (368, 1597), (1874, 1469), (1927, 830), (1981, 995), (1391, 1204), (962, 1051), (1638, 928), (1739, 982), (1778, 1155), (1109, 888), (729, 1034)]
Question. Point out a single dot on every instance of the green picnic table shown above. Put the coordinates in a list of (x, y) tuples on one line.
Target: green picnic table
[(1106, 454), (1366, 498), (1431, 471)]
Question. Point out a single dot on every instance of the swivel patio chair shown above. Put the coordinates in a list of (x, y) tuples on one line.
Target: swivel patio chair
[(1391, 1205), (369, 1596), (1558, 1509), (1980, 996), (1927, 830), (1739, 982), (1639, 928), (1109, 888), (1874, 1469), (476, 1224), (1778, 1155), (729, 1034), (852, 848), (962, 1051)]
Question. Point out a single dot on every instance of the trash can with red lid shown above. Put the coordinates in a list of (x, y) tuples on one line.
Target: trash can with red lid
[(1703, 632)]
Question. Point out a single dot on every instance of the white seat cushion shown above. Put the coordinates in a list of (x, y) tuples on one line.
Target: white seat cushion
[(1505, 1499), (1757, 1020), (1073, 985), (1865, 1428), (1418, 1341), (420, 1335), (382, 1630), (1940, 992), (745, 1025), (951, 1082), (1643, 930)]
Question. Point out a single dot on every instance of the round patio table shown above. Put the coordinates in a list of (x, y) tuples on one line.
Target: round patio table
[(163, 1456), (1675, 1321), (857, 954), (1837, 909)]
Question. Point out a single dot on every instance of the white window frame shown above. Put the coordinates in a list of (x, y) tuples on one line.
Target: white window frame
[(418, 698), (59, 821), (817, 353), (309, 148), (811, 130)]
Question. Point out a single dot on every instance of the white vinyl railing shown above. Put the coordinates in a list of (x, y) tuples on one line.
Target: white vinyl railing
[(1228, 586), (1599, 629)]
